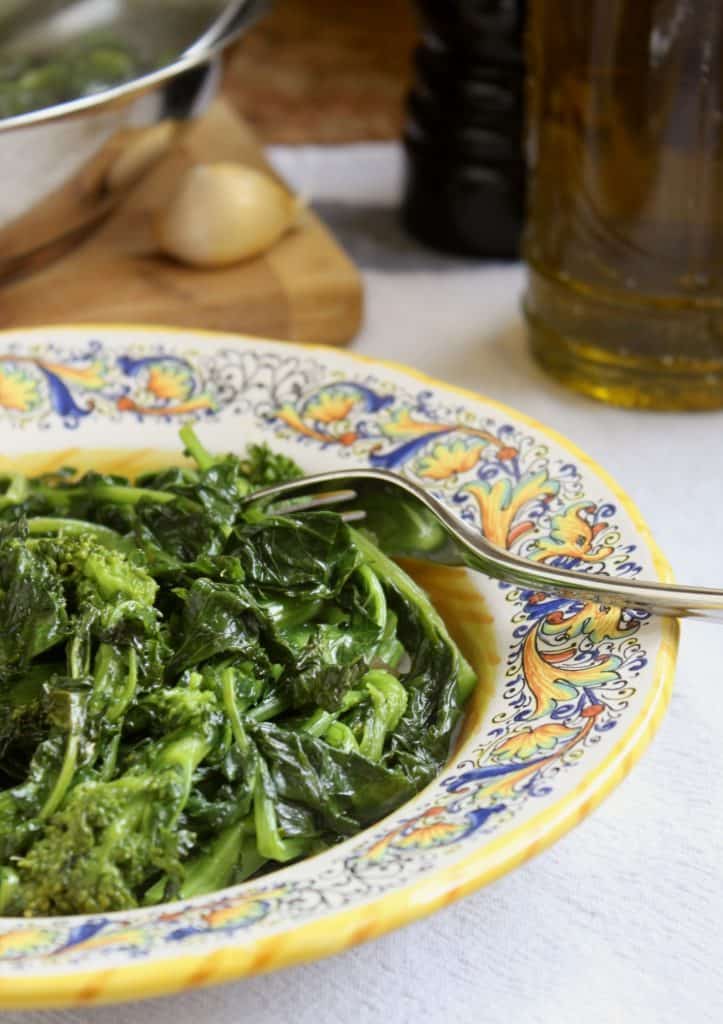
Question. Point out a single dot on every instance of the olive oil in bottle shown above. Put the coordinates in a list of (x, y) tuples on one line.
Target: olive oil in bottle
[(624, 241)]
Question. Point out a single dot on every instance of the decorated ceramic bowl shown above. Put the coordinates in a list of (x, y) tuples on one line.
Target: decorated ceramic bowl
[(568, 696)]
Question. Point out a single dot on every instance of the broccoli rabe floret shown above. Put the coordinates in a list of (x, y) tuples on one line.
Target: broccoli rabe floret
[(101, 847), (109, 840), (98, 571)]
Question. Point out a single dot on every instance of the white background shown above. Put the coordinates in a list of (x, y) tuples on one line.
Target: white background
[(622, 919)]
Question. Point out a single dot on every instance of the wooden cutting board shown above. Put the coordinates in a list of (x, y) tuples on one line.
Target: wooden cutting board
[(304, 288)]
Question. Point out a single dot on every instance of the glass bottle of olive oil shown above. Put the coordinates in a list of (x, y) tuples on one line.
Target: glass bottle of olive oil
[(625, 211)]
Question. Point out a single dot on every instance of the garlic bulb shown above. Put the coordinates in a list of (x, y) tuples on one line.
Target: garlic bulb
[(222, 213)]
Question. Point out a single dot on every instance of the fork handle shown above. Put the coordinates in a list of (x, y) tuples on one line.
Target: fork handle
[(658, 598)]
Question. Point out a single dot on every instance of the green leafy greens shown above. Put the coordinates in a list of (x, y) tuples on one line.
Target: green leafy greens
[(193, 691), (31, 83)]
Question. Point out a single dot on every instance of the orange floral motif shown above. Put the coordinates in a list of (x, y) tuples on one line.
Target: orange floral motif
[(553, 677), (288, 415), (402, 426), (170, 382), (573, 536), (331, 406), (435, 834), (246, 908), (529, 742), (377, 850), (501, 503), (18, 391), (445, 461)]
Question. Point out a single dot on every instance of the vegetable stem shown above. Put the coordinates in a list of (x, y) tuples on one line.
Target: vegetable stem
[(124, 494), (65, 776), (268, 708), (269, 840), (231, 706), (123, 699), (16, 491), (195, 449)]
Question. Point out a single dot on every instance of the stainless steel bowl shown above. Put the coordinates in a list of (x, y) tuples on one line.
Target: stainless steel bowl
[(64, 167)]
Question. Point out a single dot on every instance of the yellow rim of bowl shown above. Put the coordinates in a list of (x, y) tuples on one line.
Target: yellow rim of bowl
[(338, 932)]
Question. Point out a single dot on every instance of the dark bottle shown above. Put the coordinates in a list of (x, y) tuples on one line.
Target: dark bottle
[(465, 184)]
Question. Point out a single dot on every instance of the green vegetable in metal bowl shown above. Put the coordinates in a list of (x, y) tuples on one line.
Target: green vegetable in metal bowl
[(31, 83), (193, 691)]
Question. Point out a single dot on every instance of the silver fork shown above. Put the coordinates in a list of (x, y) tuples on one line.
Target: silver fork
[(409, 521)]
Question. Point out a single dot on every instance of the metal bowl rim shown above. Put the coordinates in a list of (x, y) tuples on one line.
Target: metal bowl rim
[(98, 100)]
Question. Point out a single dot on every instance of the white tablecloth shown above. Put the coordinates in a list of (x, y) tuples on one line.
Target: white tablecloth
[(621, 921)]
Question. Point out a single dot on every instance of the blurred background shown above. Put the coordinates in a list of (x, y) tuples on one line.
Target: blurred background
[(317, 71)]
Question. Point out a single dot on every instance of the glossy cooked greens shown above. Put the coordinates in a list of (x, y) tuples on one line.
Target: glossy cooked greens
[(193, 690), (28, 84)]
